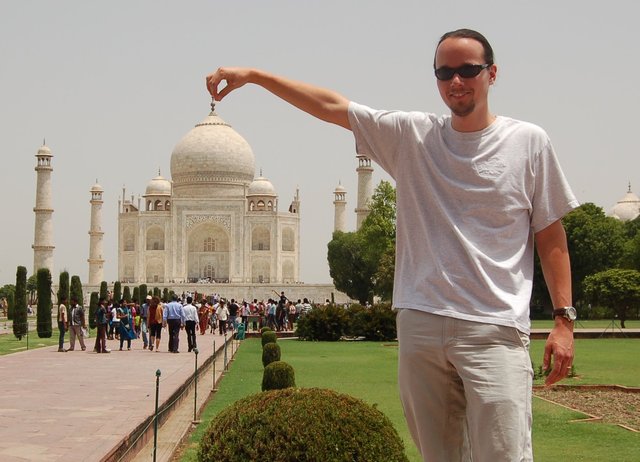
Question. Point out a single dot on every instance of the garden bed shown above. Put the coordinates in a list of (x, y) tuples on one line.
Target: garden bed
[(605, 403)]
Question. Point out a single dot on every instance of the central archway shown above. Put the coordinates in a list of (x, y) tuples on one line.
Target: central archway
[(208, 253)]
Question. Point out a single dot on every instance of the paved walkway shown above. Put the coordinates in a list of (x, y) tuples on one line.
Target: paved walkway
[(79, 405)]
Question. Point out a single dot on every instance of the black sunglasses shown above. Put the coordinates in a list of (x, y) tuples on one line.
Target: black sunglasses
[(465, 71)]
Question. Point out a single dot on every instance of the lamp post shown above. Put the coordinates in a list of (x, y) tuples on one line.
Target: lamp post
[(195, 390), (155, 421)]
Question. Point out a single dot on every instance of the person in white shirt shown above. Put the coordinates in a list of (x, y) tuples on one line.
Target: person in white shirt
[(190, 321), (222, 314), (474, 192)]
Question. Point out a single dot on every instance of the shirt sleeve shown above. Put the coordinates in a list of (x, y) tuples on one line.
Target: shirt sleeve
[(552, 198)]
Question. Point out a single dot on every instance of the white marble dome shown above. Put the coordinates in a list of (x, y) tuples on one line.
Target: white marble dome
[(627, 208), (261, 187), (210, 157), (158, 186)]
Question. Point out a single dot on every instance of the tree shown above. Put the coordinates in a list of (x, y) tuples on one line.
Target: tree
[(43, 312), (618, 289), (143, 292), (359, 262), (384, 275), (104, 290), (348, 268), (126, 296), (631, 257), (166, 297), (93, 307), (596, 243), (156, 292), (76, 290), (63, 286), (20, 323), (11, 304), (8, 292), (136, 295), (117, 291), (32, 289)]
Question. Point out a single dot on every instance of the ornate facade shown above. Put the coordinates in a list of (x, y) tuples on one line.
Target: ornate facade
[(214, 221)]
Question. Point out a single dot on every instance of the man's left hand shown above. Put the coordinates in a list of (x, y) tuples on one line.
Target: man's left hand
[(559, 346)]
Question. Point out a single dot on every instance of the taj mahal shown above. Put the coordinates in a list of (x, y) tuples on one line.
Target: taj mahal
[(213, 221)]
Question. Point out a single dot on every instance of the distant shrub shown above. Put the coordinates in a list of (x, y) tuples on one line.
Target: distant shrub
[(324, 323), (264, 329), (301, 425), (278, 375), (377, 323), (270, 353), (269, 337), (330, 323)]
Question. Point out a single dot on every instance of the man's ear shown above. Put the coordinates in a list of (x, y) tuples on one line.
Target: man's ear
[(493, 72)]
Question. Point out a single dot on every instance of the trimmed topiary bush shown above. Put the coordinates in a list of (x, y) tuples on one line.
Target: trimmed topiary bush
[(20, 323), (301, 425), (269, 337), (93, 307), (43, 311), (270, 353), (264, 329), (278, 375)]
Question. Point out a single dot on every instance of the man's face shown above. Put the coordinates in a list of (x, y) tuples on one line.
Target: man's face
[(464, 95)]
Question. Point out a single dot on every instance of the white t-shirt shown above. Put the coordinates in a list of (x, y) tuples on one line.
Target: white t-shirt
[(467, 207)]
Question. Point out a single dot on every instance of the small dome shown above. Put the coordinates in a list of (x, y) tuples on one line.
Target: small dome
[(159, 186), (627, 208), (261, 187), (96, 188), (340, 189), (44, 151)]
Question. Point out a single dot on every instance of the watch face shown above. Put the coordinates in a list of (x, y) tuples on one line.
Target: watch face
[(572, 314)]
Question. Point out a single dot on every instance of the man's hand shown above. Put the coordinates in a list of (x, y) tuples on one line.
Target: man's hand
[(234, 77), (559, 346)]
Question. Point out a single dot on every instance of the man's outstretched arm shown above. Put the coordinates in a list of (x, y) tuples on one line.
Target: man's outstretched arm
[(324, 104)]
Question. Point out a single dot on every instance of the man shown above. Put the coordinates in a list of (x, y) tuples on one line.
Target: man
[(78, 323), (190, 320), (173, 316), (144, 327), (474, 190), (63, 324), (101, 323), (222, 314)]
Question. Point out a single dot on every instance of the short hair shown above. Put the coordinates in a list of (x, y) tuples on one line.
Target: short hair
[(189, 299), (470, 34)]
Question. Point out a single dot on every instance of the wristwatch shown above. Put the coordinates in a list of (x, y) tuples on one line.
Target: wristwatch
[(567, 312)]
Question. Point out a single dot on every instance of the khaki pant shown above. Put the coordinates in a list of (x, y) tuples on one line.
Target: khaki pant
[(76, 331), (465, 388)]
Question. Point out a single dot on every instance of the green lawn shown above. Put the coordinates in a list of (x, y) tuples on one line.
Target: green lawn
[(367, 370), (588, 324), (10, 344)]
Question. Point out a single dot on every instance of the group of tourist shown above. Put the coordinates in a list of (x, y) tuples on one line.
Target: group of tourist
[(119, 320)]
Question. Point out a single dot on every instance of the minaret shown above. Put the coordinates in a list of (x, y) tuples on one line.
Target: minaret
[(340, 203), (43, 235), (96, 262), (365, 189)]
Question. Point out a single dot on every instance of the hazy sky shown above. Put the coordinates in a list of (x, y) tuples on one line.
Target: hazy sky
[(113, 86)]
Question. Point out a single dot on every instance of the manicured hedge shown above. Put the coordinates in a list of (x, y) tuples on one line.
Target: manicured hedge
[(301, 425)]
